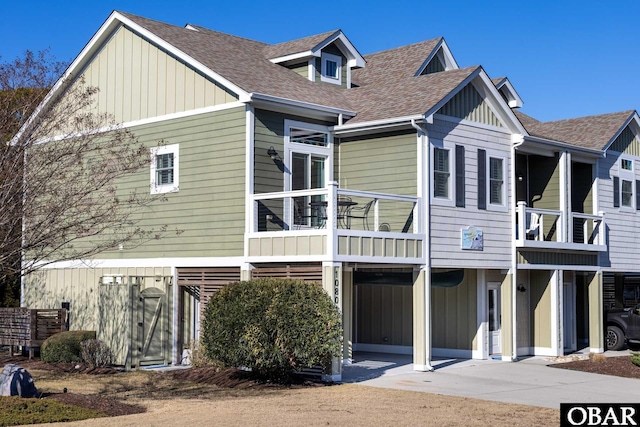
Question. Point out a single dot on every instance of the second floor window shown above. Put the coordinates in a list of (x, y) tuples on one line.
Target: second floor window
[(331, 70), (164, 169), (441, 173), (496, 181)]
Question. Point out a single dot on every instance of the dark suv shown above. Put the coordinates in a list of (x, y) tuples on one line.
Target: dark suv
[(623, 324)]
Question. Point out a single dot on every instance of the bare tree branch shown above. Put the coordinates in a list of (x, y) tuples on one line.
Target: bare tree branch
[(63, 171)]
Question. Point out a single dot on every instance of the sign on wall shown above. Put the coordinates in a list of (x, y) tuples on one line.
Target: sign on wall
[(471, 239)]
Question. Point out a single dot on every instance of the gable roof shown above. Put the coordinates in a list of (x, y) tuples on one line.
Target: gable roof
[(242, 61), (593, 132), (398, 95), (296, 46), (394, 63)]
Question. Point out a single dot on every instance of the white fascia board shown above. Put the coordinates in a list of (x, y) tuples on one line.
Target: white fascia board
[(564, 146), (191, 27), (491, 95), (450, 61), (295, 56), (448, 56), (146, 262), (242, 94), (377, 124), (516, 102), (260, 98), (352, 54), (632, 118), (500, 107)]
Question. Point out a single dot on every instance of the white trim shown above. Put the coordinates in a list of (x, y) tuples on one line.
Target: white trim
[(174, 335), (423, 368), (471, 123), (629, 176), (150, 120), (523, 244), (262, 99), (382, 348), (172, 187), (482, 332), (544, 351), (442, 145), (311, 70), (148, 262), (596, 350), (555, 303), (449, 61), (558, 267), (250, 214), (376, 124), (502, 207), (183, 114), (633, 118), (516, 102), (452, 352), (337, 80), (293, 57)]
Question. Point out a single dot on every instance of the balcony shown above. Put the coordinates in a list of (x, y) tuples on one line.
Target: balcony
[(546, 228), (334, 224)]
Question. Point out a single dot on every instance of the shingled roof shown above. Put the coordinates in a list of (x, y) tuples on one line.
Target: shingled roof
[(243, 62), (298, 45), (593, 132), (386, 88)]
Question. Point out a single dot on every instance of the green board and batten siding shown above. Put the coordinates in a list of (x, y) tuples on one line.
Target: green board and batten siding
[(468, 104), (390, 166), (627, 142), (455, 314), (138, 80), (209, 208), (302, 69)]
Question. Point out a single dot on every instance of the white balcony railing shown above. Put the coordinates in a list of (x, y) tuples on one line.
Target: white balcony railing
[(334, 208), (549, 228)]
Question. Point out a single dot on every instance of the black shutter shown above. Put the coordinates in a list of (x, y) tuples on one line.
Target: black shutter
[(616, 192), (637, 195), (460, 190), (482, 179)]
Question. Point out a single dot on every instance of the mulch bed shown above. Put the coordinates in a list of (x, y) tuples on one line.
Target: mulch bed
[(224, 378), (618, 366)]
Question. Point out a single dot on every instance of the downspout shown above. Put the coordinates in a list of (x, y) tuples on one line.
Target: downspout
[(425, 221), (514, 250)]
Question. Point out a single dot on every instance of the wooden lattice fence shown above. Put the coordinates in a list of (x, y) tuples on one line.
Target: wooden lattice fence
[(30, 327)]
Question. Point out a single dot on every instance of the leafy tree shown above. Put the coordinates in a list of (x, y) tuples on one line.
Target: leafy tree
[(60, 165)]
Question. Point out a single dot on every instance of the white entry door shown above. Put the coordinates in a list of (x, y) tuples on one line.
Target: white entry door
[(493, 302)]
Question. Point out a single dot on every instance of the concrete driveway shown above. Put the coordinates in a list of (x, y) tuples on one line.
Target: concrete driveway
[(529, 381)]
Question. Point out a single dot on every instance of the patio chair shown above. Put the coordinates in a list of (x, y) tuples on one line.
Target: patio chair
[(533, 229), (361, 213)]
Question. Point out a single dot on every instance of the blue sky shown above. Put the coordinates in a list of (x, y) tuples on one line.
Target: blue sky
[(565, 58)]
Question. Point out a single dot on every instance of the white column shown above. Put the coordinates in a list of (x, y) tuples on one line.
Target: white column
[(556, 313)]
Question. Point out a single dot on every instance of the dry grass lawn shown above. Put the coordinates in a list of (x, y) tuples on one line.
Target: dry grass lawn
[(170, 403)]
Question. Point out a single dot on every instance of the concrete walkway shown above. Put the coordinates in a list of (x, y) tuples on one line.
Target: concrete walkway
[(529, 381)]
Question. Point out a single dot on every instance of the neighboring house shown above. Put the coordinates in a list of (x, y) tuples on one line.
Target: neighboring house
[(393, 179)]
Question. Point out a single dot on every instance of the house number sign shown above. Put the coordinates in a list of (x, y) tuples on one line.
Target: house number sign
[(336, 287)]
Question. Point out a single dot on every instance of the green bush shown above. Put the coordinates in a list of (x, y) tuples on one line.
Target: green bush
[(65, 346), (275, 327), (635, 358)]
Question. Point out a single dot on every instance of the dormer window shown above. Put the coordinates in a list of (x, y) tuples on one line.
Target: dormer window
[(331, 71)]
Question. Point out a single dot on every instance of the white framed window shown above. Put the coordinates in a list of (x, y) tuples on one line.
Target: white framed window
[(442, 176), (331, 68), (309, 163), (627, 183), (165, 169), (496, 183)]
